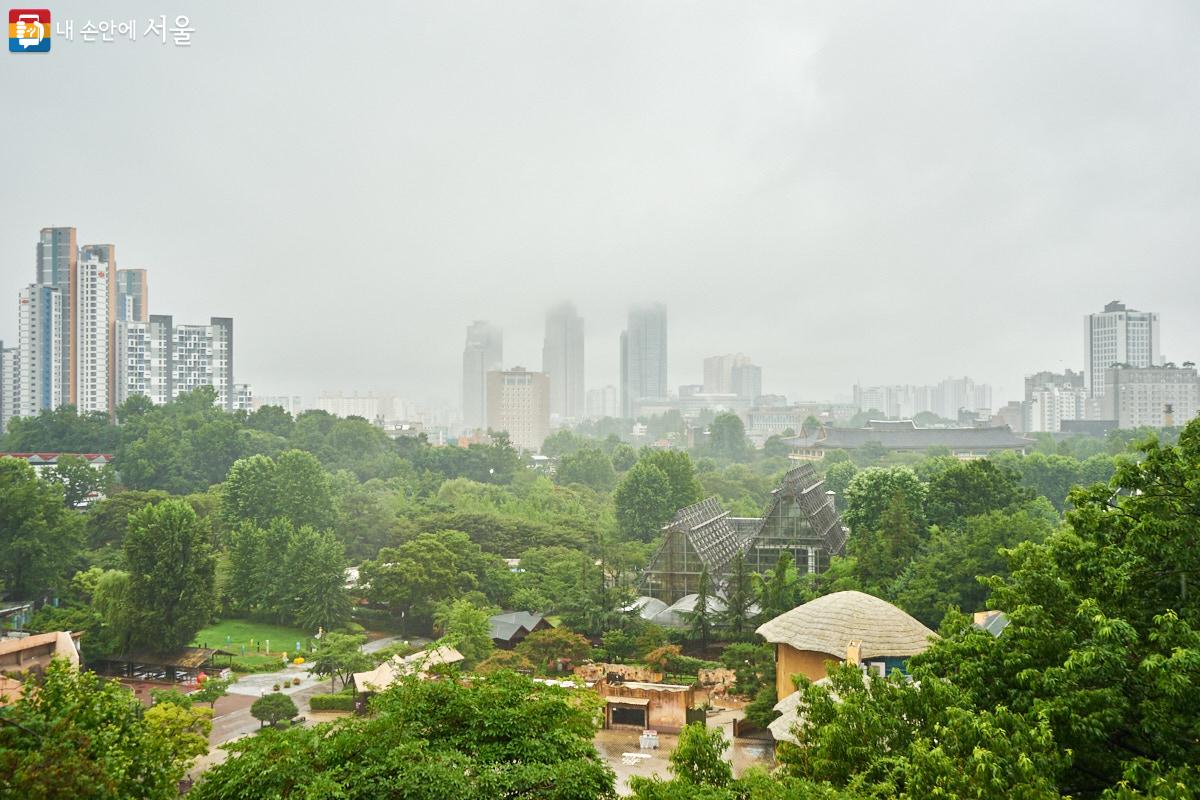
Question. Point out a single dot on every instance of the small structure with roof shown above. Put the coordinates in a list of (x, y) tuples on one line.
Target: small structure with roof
[(638, 705), (510, 628), (387, 673), (180, 666), (843, 626)]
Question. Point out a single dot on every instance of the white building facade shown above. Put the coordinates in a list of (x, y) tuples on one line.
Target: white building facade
[(93, 332), (39, 350), (1118, 335)]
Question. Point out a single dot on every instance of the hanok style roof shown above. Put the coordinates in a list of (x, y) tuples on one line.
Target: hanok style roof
[(905, 435), (830, 623), (421, 663)]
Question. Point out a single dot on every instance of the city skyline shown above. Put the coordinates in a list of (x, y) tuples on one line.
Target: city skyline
[(739, 154)]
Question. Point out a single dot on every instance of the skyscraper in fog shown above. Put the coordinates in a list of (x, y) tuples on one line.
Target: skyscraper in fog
[(1118, 335), (643, 358), (483, 353), (57, 264), (562, 361), (133, 296)]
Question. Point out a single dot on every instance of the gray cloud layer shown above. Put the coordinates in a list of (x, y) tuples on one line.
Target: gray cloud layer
[(891, 192)]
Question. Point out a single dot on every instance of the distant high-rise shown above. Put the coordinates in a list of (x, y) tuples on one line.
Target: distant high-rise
[(40, 350), (162, 360), (746, 382), (95, 352), (9, 386), (57, 264), (518, 402), (1051, 398), (718, 372), (562, 361), (133, 295), (644, 358), (1118, 335), (482, 354)]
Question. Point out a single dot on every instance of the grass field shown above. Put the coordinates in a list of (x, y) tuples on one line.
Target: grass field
[(231, 634)]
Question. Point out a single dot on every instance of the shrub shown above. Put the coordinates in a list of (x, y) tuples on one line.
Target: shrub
[(275, 687), (248, 665), (331, 702)]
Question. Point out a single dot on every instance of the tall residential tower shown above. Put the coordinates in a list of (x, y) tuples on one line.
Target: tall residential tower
[(57, 266)]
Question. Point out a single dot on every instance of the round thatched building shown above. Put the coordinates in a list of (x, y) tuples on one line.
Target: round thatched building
[(843, 626)]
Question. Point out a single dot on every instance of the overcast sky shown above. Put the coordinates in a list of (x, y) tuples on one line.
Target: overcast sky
[(891, 192)]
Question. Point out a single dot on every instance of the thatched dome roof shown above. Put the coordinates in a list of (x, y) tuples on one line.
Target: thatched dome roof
[(830, 623)]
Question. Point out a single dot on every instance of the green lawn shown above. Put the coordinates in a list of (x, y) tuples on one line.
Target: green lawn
[(231, 634)]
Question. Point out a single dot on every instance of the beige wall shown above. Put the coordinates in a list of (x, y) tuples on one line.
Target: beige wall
[(666, 712), (789, 661)]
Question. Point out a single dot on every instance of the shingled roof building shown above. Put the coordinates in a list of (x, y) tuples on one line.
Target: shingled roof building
[(800, 519), (904, 435)]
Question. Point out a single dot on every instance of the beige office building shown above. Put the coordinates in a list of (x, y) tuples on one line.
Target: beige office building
[(518, 402)]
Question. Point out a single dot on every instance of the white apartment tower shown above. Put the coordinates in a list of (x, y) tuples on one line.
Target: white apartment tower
[(161, 360), (1118, 335), (39, 350), (94, 300)]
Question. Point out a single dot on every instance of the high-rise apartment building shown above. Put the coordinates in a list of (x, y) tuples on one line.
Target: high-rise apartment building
[(483, 353), (9, 386), (602, 402), (1118, 335), (95, 356), (144, 359), (644, 358), (202, 355), (562, 362), (40, 350), (57, 263), (519, 404), (162, 360), (1051, 398), (133, 295)]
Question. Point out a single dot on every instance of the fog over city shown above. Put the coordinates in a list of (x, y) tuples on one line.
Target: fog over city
[(843, 191)]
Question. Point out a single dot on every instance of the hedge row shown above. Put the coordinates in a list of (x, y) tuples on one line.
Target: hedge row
[(331, 702)]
